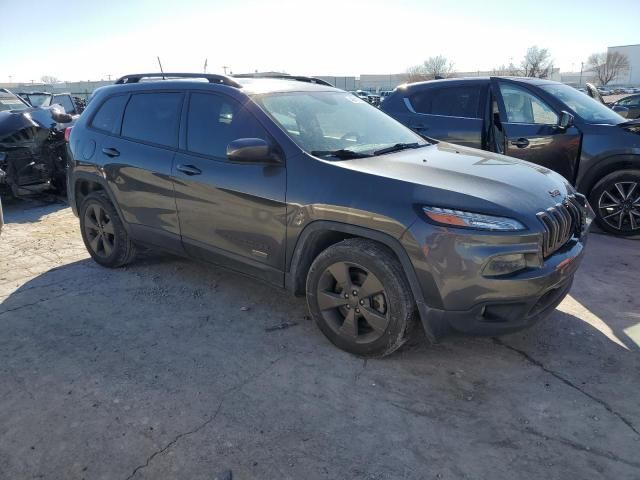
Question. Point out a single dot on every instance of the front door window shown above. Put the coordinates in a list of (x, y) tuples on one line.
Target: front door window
[(523, 107)]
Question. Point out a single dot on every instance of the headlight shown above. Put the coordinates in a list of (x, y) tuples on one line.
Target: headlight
[(479, 221)]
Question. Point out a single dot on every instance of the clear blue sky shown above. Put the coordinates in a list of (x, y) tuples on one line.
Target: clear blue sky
[(80, 40)]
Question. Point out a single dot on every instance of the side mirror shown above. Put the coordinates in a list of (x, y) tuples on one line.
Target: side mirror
[(251, 150), (565, 121), (620, 110)]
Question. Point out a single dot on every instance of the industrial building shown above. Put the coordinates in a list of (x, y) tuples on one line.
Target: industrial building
[(632, 76)]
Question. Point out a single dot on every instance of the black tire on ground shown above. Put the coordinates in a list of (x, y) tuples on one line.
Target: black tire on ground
[(615, 213), (355, 268), (102, 231)]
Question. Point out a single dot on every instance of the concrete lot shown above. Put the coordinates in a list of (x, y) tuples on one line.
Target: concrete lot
[(170, 369)]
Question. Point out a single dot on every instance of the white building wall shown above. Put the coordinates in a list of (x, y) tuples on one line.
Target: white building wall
[(632, 77)]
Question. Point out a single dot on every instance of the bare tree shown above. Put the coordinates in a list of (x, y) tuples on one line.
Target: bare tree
[(537, 62), (431, 68), (608, 66), (506, 70), (416, 74), (438, 67), (49, 79)]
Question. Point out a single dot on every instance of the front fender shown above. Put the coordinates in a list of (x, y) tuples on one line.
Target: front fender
[(598, 167)]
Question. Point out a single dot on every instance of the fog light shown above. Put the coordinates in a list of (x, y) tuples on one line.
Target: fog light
[(505, 264)]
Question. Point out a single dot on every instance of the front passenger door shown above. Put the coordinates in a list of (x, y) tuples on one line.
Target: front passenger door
[(530, 129), (232, 214)]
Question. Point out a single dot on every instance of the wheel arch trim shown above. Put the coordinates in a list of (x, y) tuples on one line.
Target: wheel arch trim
[(605, 166), (89, 177)]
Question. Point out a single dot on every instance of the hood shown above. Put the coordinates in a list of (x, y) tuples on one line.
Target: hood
[(23, 127), (452, 176)]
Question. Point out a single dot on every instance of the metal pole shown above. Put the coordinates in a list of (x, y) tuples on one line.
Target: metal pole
[(581, 66)]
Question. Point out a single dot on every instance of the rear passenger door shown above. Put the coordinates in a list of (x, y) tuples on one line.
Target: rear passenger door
[(450, 113), (233, 214), (137, 157)]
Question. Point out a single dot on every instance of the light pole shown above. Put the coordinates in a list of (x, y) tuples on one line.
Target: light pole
[(581, 67)]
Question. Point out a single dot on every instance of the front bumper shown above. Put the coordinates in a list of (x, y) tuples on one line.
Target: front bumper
[(497, 318), (449, 265)]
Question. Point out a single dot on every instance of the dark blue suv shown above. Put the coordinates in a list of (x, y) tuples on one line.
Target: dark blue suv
[(544, 122)]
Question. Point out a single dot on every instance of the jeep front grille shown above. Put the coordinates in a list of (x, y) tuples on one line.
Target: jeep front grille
[(560, 224)]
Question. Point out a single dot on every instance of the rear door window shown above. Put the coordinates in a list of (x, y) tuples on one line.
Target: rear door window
[(462, 101), (215, 121), (109, 114), (153, 117)]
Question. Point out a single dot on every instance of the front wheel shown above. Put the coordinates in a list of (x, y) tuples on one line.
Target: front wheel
[(616, 200), (360, 299)]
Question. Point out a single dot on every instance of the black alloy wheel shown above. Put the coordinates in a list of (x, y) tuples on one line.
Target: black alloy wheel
[(360, 299), (99, 231), (353, 302), (103, 233), (619, 206)]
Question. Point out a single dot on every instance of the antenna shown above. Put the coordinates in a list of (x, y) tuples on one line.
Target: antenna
[(161, 71), (206, 61)]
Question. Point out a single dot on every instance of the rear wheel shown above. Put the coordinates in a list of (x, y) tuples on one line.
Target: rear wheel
[(103, 233), (360, 299), (616, 200)]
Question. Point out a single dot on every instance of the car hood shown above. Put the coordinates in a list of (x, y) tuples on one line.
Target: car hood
[(24, 127), (452, 176)]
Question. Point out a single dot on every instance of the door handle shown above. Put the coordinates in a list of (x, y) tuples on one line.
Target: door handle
[(189, 170), (111, 152), (420, 127), (520, 143)]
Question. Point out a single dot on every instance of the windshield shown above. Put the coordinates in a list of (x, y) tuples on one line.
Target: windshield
[(590, 110), (11, 104), (38, 99), (333, 121)]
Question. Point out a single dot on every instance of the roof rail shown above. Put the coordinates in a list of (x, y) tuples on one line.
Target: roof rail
[(212, 78), (298, 78)]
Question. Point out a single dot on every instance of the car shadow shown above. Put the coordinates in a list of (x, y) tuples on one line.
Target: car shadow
[(29, 210)]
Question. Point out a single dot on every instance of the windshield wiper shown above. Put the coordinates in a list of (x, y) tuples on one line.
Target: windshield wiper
[(397, 147), (342, 154)]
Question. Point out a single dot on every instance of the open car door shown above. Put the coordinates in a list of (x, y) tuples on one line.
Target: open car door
[(532, 130)]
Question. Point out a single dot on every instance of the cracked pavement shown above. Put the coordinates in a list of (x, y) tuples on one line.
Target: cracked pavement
[(171, 369)]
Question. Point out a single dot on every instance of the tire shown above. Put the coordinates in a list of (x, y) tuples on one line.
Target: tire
[(616, 202), (375, 321), (103, 233)]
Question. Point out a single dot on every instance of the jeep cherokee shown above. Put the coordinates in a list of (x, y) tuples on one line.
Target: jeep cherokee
[(310, 188)]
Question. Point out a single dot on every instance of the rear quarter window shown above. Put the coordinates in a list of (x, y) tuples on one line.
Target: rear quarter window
[(108, 116), (153, 117)]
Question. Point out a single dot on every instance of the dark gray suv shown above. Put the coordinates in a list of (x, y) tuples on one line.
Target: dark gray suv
[(311, 188)]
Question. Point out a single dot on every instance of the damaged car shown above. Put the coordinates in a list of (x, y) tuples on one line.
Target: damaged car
[(32, 147), (71, 104)]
